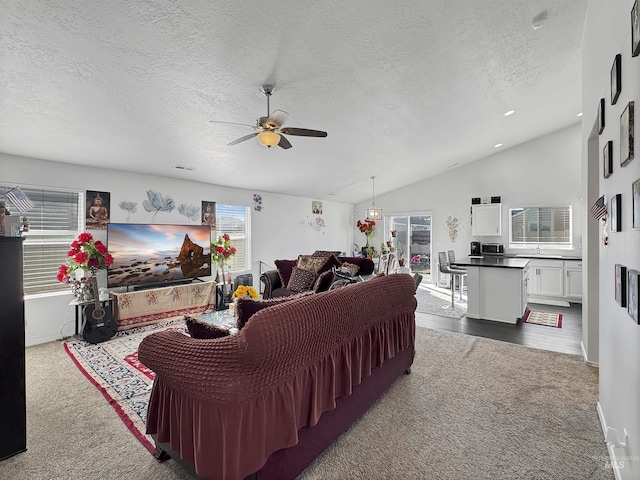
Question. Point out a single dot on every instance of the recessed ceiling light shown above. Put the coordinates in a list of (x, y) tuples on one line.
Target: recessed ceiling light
[(454, 165), (579, 115), (184, 167), (510, 112), (497, 145)]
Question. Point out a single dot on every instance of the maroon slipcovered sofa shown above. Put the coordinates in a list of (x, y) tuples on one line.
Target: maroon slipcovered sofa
[(264, 403), (272, 280)]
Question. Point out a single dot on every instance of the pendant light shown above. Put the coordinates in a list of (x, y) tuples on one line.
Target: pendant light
[(373, 212)]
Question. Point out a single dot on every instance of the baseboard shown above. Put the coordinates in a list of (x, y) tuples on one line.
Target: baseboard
[(586, 360), (613, 461)]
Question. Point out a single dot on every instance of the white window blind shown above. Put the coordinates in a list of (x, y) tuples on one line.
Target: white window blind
[(54, 223), (549, 226), (235, 221)]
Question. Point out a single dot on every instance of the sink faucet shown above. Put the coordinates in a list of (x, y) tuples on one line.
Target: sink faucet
[(538, 249)]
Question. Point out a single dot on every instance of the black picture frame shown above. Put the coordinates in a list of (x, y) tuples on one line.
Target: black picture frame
[(635, 30), (616, 79), (616, 213), (601, 116), (607, 159), (633, 286), (626, 135), (635, 195), (621, 285)]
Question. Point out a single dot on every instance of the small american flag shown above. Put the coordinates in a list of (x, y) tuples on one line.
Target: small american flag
[(599, 209), (19, 200)]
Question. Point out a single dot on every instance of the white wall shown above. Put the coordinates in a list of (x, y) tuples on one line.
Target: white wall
[(607, 32), (284, 228), (544, 171)]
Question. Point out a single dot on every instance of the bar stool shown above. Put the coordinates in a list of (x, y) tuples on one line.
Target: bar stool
[(444, 267), (452, 259)]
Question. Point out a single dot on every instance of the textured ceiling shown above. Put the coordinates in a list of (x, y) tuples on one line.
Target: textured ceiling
[(404, 89)]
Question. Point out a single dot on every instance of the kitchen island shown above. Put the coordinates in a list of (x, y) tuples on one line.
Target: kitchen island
[(496, 287)]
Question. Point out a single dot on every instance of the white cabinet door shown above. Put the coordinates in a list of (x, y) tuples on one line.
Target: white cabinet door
[(550, 281), (486, 219), (573, 280), (546, 278)]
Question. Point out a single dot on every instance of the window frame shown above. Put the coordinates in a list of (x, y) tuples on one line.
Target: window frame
[(45, 249), (529, 243), (223, 225)]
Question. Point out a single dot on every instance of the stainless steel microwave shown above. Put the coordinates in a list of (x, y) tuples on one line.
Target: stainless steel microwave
[(493, 248)]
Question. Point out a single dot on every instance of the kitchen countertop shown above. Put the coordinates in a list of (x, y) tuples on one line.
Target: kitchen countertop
[(501, 261)]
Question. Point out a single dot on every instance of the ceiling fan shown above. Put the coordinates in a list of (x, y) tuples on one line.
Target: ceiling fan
[(269, 130)]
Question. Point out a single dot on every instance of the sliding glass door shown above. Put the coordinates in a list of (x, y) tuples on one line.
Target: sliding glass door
[(413, 242)]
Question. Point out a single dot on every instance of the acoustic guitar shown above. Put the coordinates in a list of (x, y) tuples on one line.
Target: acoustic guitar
[(99, 324)]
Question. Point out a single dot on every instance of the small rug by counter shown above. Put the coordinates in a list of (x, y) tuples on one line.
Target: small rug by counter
[(113, 368), (543, 318)]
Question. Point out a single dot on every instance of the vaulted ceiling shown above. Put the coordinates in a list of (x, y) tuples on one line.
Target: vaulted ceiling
[(405, 89)]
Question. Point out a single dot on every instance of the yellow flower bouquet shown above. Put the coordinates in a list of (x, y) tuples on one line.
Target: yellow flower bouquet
[(244, 291)]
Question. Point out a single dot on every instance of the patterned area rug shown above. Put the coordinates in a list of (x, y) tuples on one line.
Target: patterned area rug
[(437, 301), (113, 367), (543, 318)]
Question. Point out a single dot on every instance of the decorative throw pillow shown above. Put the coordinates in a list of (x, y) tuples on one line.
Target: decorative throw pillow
[(350, 269), (247, 307), (309, 263), (323, 282), (331, 261), (325, 253), (301, 280), (285, 268), (204, 330)]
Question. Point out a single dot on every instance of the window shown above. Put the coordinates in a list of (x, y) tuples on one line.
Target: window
[(54, 223), (235, 221), (530, 227)]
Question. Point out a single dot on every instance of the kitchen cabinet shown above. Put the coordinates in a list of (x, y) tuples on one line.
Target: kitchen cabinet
[(496, 288), (546, 278), (486, 220), (555, 279), (573, 279)]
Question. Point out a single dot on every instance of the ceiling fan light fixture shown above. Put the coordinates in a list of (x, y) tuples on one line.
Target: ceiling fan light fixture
[(268, 138)]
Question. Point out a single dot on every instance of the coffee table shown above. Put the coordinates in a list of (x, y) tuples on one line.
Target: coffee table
[(222, 318)]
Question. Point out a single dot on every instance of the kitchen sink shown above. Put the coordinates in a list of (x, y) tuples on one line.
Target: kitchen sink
[(538, 255)]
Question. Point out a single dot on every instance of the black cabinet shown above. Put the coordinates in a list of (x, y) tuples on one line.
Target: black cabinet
[(13, 415)]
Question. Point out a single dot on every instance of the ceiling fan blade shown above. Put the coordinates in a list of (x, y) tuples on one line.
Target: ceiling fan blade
[(303, 132), (277, 119), (232, 123), (284, 143), (243, 139)]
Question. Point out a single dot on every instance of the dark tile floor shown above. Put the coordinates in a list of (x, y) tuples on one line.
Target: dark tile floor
[(565, 340)]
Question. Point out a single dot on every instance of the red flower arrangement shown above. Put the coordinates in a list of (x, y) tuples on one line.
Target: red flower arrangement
[(368, 227), (221, 249), (85, 254)]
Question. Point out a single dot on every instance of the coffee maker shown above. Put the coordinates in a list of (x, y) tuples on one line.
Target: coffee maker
[(475, 248)]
